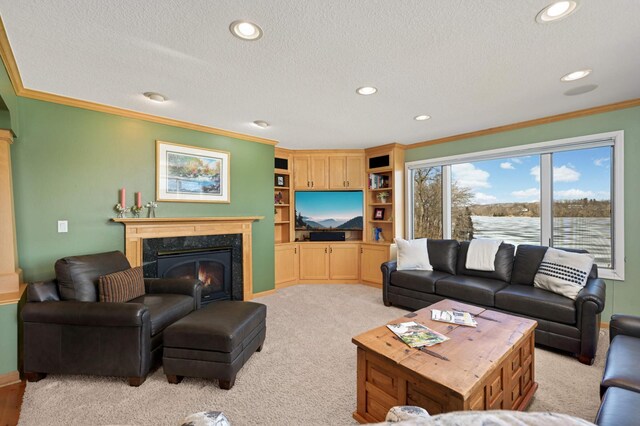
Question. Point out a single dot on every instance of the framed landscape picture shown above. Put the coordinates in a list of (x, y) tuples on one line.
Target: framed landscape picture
[(191, 174)]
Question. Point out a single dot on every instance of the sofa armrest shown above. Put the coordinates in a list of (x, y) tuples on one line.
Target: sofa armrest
[(101, 314), (629, 325), (594, 291), (387, 268)]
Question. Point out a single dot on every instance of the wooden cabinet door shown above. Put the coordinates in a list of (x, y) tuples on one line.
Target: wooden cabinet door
[(354, 175), (371, 257), (337, 168), (286, 263), (319, 172), (343, 261), (301, 176), (314, 262)]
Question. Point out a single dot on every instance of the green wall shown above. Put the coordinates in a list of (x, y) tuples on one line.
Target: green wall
[(9, 333), (622, 296), (69, 163)]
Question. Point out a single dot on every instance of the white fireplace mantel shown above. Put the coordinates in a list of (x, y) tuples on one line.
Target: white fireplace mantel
[(137, 229)]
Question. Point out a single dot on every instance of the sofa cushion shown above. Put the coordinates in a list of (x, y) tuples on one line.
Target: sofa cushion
[(478, 291), (424, 281), (413, 255), (78, 275), (563, 272), (121, 286), (621, 369), (165, 309), (503, 263), (443, 255), (537, 303)]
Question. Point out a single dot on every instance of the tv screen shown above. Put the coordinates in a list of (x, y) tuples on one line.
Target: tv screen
[(325, 210)]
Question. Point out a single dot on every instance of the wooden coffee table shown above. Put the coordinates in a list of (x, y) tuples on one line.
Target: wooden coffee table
[(484, 368)]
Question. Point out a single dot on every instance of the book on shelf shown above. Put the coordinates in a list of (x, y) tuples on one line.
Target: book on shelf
[(416, 335), (454, 317), (378, 181)]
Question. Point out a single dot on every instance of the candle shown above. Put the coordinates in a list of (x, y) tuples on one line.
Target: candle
[(139, 200), (123, 193)]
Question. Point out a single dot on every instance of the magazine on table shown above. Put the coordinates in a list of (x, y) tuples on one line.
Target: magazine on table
[(454, 317), (416, 335)]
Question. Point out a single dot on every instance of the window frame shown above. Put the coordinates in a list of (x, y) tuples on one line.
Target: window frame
[(615, 139)]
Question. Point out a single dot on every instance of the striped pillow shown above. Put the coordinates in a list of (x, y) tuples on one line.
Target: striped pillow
[(121, 286)]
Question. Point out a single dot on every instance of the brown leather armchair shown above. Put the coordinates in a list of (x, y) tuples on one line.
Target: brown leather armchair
[(67, 331)]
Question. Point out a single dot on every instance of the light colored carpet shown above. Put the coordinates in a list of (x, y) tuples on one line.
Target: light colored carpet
[(305, 375)]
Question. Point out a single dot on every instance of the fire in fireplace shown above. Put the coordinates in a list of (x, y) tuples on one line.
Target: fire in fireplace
[(211, 266)]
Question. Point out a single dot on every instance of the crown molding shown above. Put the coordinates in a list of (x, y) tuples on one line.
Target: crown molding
[(529, 123), (16, 81)]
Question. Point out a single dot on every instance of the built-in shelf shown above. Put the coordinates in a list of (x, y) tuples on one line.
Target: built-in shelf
[(381, 189), (281, 205), (280, 187), (280, 222), (381, 221), (381, 204)]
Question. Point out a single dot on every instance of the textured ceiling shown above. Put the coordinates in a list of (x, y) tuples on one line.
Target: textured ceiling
[(471, 65)]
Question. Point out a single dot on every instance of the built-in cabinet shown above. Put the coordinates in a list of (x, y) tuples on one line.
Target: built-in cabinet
[(287, 264), (375, 171), (371, 257), (311, 172), (321, 261), (346, 171)]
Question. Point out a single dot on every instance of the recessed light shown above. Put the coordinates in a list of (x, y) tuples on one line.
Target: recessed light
[(576, 75), (245, 30), (261, 123), (156, 97), (366, 90), (556, 11), (421, 117)]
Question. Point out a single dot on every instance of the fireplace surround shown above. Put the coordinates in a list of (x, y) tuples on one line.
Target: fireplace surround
[(139, 229), (193, 257)]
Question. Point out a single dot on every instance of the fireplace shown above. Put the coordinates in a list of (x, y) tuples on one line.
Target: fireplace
[(211, 266), (216, 260)]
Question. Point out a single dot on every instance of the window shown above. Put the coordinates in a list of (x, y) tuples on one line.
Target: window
[(566, 194)]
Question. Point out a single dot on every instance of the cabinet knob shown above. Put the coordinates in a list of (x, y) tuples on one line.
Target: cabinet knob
[(347, 183), (344, 183), (325, 249), (308, 183), (330, 249), (312, 184), (295, 250)]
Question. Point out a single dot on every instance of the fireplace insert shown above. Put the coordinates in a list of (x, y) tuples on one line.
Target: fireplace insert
[(211, 266)]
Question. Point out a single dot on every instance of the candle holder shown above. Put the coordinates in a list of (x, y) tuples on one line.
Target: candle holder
[(151, 206), (122, 211), (135, 210)]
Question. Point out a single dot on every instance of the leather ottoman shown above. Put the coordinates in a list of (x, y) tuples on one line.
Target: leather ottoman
[(214, 342)]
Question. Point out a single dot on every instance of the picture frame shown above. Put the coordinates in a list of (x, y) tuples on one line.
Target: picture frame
[(190, 174), (378, 213), (279, 180)]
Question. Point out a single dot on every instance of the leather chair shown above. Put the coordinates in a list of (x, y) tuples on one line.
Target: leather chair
[(67, 331)]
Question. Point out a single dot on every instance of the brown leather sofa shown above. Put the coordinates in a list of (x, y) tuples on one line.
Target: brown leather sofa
[(563, 323), (67, 331), (620, 386)]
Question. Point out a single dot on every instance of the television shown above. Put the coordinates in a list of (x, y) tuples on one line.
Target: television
[(329, 210)]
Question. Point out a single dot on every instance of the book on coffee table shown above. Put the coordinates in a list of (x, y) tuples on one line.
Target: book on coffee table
[(416, 335), (454, 317)]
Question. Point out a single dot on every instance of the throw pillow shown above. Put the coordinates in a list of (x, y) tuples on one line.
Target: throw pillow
[(121, 286), (563, 272), (413, 255)]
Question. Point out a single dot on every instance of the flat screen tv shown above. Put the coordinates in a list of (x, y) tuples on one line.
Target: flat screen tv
[(329, 210)]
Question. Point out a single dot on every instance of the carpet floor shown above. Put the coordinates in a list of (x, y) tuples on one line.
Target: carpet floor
[(305, 374)]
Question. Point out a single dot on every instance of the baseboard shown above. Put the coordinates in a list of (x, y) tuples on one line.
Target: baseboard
[(9, 378), (264, 293), (604, 325)]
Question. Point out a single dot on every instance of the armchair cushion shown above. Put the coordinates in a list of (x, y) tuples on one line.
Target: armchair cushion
[(43, 291), (121, 286), (628, 325), (78, 275)]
